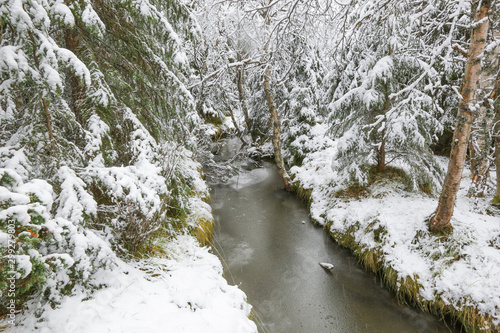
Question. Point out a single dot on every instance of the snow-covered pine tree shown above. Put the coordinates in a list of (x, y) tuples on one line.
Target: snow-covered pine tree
[(44, 203), (386, 100), (139, 104), (300, 98), (92, 100)]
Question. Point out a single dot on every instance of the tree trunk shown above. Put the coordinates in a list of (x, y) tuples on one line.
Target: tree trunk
[(235, 123), (385, 108), (495, 94), (381, 160), (201, 56), (496, 199), (480, 142), (440, 221), (275, 120), (241, 97), (278, 157)]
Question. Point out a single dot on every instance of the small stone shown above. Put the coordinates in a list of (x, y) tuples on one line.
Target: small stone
[(326, 265)]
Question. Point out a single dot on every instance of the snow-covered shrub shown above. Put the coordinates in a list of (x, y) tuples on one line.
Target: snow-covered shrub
[(45, 253), (131, 199)]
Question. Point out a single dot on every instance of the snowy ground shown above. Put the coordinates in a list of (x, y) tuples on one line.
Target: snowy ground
[(464, 271), (184, 294)]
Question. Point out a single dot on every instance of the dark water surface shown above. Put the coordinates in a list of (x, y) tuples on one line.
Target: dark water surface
[(273, 256)]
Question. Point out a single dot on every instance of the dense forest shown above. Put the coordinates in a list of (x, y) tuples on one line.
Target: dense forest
[(111, 111)]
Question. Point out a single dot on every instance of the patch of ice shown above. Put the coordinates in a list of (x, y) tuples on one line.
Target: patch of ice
[(250, 178)]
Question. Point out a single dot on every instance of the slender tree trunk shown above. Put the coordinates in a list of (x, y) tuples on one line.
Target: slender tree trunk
[(385, 108), (235, 123), (496, 133), (381, 160), (480, 142), (240, 134), (241, 97), (440, 221), (278, 157), (203, 68), (275, 120), (48, 123), (496, 199)]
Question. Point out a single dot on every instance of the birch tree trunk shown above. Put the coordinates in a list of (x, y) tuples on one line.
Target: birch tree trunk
[(275, 120), (278, 157), (496, 199), (480, 143), (241, 97), (496, 132), (440, 221)]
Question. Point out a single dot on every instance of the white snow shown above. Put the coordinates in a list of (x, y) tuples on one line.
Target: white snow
[(91, 19), (61, 11), (23, 266), (185, 293)]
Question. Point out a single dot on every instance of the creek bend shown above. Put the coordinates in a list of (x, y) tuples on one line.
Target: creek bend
[(271, 249)]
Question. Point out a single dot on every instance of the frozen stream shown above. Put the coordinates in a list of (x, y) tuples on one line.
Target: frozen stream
[(273, 256)]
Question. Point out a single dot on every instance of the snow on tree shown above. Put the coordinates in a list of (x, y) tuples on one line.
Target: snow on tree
[(93, 108), (388, 97), (301, 97)]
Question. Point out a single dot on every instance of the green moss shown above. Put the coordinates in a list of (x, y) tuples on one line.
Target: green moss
[(426, 188), (353, 191), (301, 193), (390, 174)]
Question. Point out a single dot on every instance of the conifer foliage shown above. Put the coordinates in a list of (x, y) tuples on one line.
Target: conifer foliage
[(93, 104), (391, 87)]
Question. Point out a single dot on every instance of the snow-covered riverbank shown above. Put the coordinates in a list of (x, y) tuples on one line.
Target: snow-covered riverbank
[(186, 293), (179, 286), (386, 228)]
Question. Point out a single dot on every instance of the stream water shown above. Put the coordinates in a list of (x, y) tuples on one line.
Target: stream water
[(271, 249)]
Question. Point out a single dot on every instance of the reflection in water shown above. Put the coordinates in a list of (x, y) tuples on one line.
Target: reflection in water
[(274, 258)]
